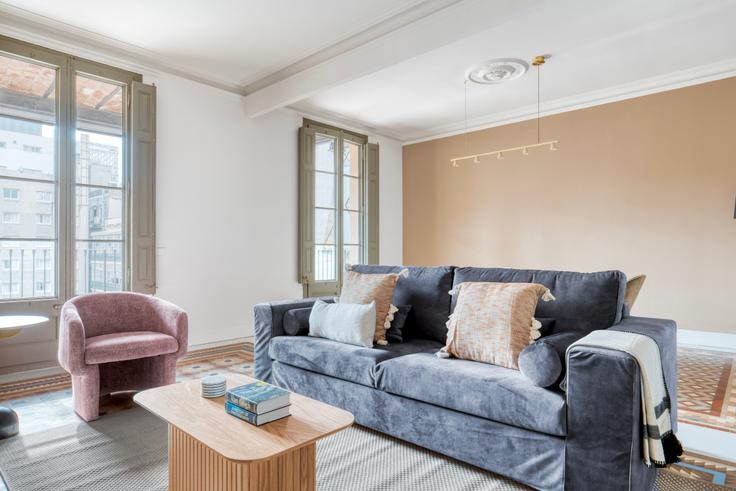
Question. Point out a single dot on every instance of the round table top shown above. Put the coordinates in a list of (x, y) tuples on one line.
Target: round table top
[(18, 321)]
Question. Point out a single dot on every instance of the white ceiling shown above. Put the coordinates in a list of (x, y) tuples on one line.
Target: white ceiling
[(235, 41), (397, 66), (596, 48)]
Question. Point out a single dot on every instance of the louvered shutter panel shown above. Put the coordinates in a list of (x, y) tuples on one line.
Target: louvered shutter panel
[(371, 204), (306, 205), (143, 188)]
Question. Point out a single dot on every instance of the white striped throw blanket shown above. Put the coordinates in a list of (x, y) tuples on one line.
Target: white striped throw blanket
[(661, 446)]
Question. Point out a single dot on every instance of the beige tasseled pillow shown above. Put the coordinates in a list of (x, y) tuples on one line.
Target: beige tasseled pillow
[(494, 322), (363, 288)]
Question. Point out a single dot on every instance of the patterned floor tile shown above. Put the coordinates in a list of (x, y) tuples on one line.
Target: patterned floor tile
[(707, 388)]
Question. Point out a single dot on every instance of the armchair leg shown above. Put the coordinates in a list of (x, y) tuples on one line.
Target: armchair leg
[(86, 391)]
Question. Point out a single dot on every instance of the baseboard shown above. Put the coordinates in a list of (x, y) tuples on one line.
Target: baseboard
[(217, 344), (723, 341), (12, 377), (9, 378)]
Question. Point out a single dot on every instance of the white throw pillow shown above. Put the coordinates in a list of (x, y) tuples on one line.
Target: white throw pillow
[(343, 322)]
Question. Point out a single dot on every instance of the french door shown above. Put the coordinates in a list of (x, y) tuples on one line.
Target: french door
[(64, 186)]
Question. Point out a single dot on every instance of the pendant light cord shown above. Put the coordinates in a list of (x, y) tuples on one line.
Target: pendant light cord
[(539, 131), (467, 137)]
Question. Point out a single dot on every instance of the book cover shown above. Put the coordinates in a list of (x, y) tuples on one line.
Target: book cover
[(258, 397), (253, 418)]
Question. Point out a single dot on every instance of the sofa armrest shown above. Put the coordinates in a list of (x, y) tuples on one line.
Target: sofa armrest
[(664, 333), (269, 323), (604, 420)]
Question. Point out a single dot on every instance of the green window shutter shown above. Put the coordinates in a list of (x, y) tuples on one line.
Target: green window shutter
[(371, 227), (143, 188), (306, 205)]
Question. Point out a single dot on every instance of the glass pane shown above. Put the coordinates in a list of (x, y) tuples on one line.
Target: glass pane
[(351, 193), (351, 255), (324, 190), (351, 227), (99, 267), (351, 159), (27, 269), (99, 142), (27, 207), (324, 263), (99, 213), (324, 226), (324, 153)]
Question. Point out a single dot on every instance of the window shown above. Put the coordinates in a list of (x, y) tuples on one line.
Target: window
[(43, 219), (11, 194), (338, 196), (79, 124), (11, 217), (31, 149), (44, 196)]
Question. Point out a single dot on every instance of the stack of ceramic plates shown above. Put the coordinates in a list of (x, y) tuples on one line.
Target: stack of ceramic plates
[(213, 386)]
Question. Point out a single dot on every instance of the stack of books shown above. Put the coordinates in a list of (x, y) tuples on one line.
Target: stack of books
[(257, 403)]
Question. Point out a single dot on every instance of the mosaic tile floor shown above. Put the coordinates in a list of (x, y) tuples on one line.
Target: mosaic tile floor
[(704, 398), (707, 388)]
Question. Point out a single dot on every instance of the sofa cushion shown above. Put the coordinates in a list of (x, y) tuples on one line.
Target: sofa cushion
[(343, 361), (543, 362), (488, 391), (348, 323), (494, 322), (296, 321), (426, 290), (395, 333), (130, 345), (584, 301)]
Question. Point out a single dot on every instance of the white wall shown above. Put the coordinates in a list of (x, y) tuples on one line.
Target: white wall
[(227, 206)]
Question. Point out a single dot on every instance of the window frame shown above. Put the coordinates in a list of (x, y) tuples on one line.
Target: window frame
[(67, 67), (307, 173)]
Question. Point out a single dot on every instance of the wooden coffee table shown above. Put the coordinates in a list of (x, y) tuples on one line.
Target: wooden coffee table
[(211, 450)]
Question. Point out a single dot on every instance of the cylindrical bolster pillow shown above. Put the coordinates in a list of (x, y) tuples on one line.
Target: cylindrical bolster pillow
[(543, 361), (296, 321)]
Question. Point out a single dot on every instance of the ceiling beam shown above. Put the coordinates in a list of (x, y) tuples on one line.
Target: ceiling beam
[(447, 22)]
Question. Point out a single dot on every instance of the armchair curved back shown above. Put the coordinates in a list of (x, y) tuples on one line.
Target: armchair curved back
[(108, 313)]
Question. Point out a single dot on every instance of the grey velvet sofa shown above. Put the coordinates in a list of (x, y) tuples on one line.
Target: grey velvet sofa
[(588, 437)]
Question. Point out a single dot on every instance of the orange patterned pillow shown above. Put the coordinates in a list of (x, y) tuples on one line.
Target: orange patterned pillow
[(494, 322), (363, 288)]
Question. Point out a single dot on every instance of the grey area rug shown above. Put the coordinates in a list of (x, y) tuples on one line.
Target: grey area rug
[(127, 451)]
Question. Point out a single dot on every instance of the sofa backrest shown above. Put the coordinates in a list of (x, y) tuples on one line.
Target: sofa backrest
[(426, 290), (584, 301)]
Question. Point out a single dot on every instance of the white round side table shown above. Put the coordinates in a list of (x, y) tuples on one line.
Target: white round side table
[(10, 325)]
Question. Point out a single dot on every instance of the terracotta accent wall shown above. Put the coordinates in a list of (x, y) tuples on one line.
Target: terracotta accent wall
[(645, 185)]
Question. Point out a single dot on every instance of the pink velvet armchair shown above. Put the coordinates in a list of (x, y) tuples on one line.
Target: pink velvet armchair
[(111, 342)]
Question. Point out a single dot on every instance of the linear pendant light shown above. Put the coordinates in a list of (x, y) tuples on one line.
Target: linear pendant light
[(538, 61)]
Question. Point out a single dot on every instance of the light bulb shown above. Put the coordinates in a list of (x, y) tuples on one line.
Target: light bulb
[(552, 146), (499, 156), (525, 151), (476, 160)]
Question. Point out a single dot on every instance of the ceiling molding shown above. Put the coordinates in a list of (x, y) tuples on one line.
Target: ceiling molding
[(33, 28), (653, 85), (335, 119), (391, 22), (449, 24)]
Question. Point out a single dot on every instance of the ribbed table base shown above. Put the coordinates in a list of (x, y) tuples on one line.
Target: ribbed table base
[(194, 466)]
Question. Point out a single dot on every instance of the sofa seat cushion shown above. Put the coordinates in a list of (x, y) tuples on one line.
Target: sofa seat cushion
[(121, 346), (344, 361), (488, 391)]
